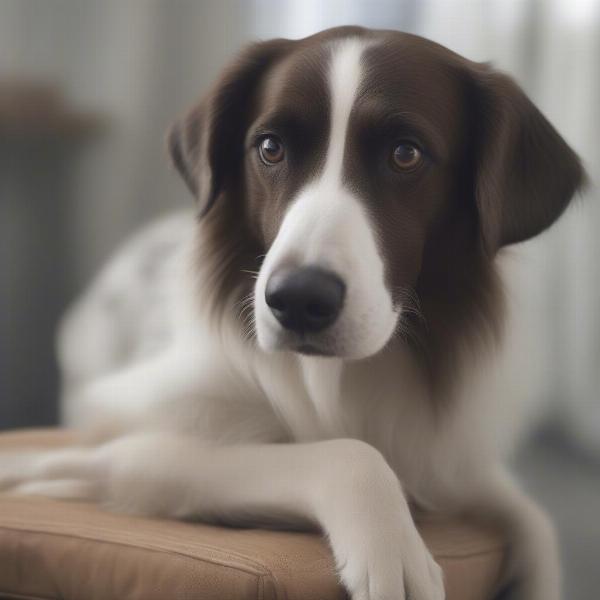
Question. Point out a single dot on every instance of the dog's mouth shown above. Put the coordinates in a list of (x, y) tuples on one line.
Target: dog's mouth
[(312, 350), (305, 344)]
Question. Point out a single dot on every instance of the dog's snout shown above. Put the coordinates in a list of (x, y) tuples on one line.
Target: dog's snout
[(307, 299)]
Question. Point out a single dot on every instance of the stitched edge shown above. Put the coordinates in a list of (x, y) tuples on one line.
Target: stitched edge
[(10, 595), (17, 525), (146, 548), (13, 596)]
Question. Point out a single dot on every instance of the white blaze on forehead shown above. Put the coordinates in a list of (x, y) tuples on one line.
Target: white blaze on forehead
[(344, 80), (321, 213)]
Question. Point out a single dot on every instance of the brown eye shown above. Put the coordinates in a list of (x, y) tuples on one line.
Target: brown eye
[(271, 150), (406, 157)]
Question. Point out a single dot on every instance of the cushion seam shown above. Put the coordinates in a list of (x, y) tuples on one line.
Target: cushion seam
[(26, 526), (16, 596), (498, 550), (278, 589), (257, 572)]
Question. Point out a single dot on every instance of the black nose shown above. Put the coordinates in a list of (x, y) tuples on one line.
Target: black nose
[(308, 299)]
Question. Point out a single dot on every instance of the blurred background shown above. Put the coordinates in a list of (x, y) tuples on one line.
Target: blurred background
[(87, 90)]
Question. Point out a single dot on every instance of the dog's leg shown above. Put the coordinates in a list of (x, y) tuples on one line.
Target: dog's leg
[(345, 486), (533, 569)]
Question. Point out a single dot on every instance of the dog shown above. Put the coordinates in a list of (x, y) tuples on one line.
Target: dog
[(322, 341)]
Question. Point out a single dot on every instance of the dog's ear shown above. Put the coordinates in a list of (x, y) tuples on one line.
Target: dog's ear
[(525, 173), (207, 144), (183, 144)]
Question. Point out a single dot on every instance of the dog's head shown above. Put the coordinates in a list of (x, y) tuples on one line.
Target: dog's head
[(354, 168)]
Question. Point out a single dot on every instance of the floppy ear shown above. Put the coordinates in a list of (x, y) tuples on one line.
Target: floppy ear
[(207, 144), (526, 174)]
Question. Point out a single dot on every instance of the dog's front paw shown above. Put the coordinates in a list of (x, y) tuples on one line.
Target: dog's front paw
[(406, 572), (99, 474), (112, 474), (378, 550), (16, 467), (74, 473)]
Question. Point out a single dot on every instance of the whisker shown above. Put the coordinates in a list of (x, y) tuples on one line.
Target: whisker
[(244, 300), (410, 303), (410, 308), (246, 316), (248, 328)]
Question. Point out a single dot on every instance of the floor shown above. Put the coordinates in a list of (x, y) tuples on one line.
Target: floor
[(568, 485)]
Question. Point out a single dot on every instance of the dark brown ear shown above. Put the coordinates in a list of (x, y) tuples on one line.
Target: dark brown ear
[(183, 144), (526, 174), (207, 144)]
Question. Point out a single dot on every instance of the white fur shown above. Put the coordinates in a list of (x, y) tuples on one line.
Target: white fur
[(205, 424)]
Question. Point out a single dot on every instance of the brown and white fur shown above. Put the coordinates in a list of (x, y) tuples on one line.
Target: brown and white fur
[(206, 407)]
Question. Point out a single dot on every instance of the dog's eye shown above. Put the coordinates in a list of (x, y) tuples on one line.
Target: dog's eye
[(271, 150), (406, 157)]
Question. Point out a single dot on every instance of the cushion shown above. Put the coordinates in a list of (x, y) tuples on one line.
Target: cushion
[(76, 551)]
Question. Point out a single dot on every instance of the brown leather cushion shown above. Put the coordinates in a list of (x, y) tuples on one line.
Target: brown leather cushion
[(51, 549)]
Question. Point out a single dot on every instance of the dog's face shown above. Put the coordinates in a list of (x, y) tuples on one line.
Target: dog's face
[(363, 163), (351, 163)]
